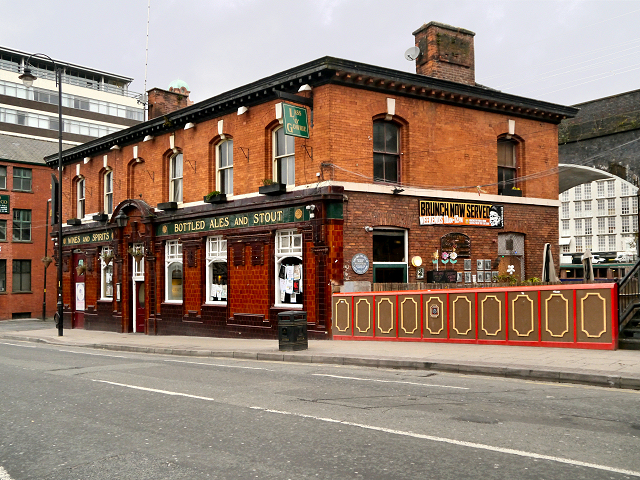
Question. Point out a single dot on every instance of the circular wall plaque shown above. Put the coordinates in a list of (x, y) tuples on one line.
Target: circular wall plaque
[(360, 263)]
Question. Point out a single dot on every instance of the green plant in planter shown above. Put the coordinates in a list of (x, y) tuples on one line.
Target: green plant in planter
[(507, 278), (106, 258), (268, 181), (213, 194)]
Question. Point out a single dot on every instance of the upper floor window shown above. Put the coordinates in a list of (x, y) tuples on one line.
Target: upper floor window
[(173, 271), (587, 191), (600, 189), (506, 165), (625, 205), (108, 192), (284, 159), (22, 179), (565, 196), (611, 188), (21, 225), (216, 270), (175, 179), (3, 177), (577, 192), (224, 167), (386, 152), (624, 188), (81, 192)]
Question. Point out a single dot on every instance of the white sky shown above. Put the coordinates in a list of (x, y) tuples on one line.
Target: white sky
[(564, 52)]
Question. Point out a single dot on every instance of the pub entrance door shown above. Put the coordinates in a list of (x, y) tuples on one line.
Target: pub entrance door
[(78, 274)]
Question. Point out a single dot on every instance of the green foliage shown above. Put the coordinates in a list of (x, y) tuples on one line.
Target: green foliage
[(212, 194)]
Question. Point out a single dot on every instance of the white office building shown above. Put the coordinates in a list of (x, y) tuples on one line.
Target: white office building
[(601, 216)]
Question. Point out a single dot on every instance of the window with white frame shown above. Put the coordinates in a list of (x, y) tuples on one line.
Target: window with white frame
[(565, 209), (601, 225), (588, 242), (578, 225), (611, 188), (588, 230), (612, 243), (284, 159), (224, 167), (602, 243), (565, 225), (600, 189), (137, 252), (587, 207), (216, 278), (577, 192), (625, 225), (80, 196), (289, 271), (106, 273), (624, 201), (175, 178), (577, 208), (587, 191), (566, 249), (611, 206), (634, 222), (565, 196), (173, 271), (108, 192), (579, 246), (624, 188), (611, 224), (634, 204), (601, 207)]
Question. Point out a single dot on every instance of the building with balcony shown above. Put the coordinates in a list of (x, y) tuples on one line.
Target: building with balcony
[(94, 104), (213, 218)]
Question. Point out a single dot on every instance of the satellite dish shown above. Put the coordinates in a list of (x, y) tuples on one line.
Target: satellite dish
[(412, 53)]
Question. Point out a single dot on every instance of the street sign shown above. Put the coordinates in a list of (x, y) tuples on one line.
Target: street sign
[(295, 121)]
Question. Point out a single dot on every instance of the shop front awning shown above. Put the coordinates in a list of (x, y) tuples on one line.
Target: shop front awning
[(571, 175)]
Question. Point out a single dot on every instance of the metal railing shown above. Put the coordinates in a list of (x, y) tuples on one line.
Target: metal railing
[(628, 296), (71, 80)]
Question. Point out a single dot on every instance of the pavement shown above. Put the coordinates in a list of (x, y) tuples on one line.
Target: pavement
[(609, 368)]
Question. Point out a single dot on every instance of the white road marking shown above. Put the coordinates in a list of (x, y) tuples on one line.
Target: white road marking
[(3, 473), (94, 354), (387, 381), (219, 365), (16, 345), (155, 390), (432, 438), (460, 443)]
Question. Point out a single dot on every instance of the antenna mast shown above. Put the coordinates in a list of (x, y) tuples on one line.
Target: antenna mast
[(146, 63)]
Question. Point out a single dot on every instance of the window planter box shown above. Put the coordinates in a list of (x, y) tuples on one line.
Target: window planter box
[(74, 221), (273, 189), (168, 206), (221, 198), (512, 192), (100, 217)]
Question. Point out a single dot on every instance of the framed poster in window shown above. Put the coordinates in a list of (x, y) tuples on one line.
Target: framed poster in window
[(479, 264), (467, 264), (480, 276), (487, 264), (467, 277)]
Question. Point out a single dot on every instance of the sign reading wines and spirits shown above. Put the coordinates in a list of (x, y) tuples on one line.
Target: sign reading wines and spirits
[(4, 203), (434, 212), (83, 238), (295, 121), (256, 219)]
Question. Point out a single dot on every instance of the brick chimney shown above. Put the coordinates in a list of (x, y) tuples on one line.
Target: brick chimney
[(162, 102), (446, 52)]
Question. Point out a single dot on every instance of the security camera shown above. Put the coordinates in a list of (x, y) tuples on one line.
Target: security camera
[(311, 208)]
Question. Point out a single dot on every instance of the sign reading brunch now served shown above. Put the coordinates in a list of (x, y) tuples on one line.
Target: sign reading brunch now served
[(295, 121), (435, 212)]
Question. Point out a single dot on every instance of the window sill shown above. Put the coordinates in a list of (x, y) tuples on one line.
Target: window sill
[(105, 300), (173, 302), (21, 292), (289, 306), (216, 304), (22, 241), (22, 191)]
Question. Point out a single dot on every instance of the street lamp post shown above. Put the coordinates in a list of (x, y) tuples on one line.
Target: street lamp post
[(28, 78)]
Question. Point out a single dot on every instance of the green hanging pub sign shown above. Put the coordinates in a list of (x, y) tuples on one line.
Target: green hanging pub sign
[(295, 121)]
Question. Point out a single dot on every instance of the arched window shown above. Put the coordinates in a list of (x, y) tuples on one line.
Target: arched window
[(80, 196), (224, 167), (173, 271), (108, 192), (386, 152), (507, 165), (284, 160), (175, 178)]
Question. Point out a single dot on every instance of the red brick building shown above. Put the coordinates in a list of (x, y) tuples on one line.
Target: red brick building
[(396, 167)]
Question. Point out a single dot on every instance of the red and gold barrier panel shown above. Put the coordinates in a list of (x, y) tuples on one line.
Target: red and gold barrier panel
[(574, 316)]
